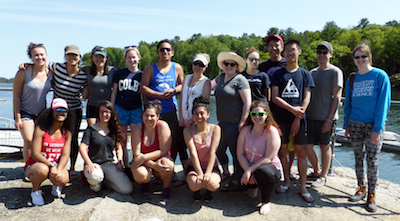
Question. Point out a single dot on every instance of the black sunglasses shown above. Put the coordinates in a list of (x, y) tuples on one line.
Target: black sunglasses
[(231, 64), (322, 52), (362, 56), (199, 64), (164, 49)]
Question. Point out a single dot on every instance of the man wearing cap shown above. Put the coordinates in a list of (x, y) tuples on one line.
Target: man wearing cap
[(322, 113), (161, 81), (275, 48), (291, 92)]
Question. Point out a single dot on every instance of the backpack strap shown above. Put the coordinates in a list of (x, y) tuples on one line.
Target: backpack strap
[(352, 77)]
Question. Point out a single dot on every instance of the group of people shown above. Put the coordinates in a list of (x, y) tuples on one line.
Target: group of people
[(265, 110)]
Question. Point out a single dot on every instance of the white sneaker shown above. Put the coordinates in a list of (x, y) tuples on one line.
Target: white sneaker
[(37, 198), (56, 191), (95, 188)]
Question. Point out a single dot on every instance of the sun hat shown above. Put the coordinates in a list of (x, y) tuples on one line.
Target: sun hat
[(99, 50), (58, 102), (325, 44), (72, 49), (201, 58), (223, 56), (272, 36)]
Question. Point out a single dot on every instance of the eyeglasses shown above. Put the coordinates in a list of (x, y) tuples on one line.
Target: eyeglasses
[(60, 109), (199, 64), (231, 64), (254, 59), (164, 49), (255, 114), (322, 52), (362, 56)]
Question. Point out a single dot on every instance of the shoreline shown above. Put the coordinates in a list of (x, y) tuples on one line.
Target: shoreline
[(78, 202)]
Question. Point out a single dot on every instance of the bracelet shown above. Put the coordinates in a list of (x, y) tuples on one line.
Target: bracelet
[(330, 121), (174, 91)]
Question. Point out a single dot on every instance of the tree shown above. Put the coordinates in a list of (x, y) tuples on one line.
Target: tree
[(273, 31), (363, 23), (330, 31), (393, 23)]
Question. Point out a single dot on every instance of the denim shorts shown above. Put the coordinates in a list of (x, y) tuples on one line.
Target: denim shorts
[(27, 116), (127, 117)]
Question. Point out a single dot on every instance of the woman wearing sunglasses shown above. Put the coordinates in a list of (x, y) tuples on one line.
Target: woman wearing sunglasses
[(97, 146), (50, 150), (233, 98), (366, 108), (258, 80), (99, 77), (29, 91), (194, 85), (257, 152), (125, 94)]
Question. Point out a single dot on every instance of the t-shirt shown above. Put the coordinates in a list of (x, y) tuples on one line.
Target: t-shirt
[(258, 83), (51, 149), (291, 89), (66, 87), (100, 147), (128, 94), (100, 87), (325, 81), (369, 100), (270, 66), (229, 103)]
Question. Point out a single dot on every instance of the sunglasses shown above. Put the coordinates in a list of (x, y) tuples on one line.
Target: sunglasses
[(254, 59), (322, 52), (362, 56), (199, 64), (164, 49), (129, 47), (255, 114), (231, 64), (60, 109)]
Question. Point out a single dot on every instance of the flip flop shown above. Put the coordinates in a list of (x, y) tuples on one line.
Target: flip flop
[(282, 189), (307, 197)]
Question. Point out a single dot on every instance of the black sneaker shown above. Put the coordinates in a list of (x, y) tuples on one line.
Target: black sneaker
[(197, 196), (208, 196), (145, 188), (166, 194)]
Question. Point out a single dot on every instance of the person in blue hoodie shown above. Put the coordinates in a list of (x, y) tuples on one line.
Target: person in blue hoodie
[(366, 108)]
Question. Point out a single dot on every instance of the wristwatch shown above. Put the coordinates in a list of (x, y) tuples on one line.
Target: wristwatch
[(52, 165)]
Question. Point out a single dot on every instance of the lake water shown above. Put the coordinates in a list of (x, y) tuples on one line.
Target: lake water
[(389, 162)]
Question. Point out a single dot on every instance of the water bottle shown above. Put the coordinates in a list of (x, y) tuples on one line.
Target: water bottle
[(291, 142)]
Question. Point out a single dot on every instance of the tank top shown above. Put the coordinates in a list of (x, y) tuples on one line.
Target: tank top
[(51, 149), (33, 97), (255, 149), (203, 150), (154, 146), (160, 83), (189, 94)]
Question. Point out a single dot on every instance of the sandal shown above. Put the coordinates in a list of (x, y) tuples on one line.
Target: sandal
[(282, 189), (307, 197)]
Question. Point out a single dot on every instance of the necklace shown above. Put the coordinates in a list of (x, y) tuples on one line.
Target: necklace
[(190, 88)]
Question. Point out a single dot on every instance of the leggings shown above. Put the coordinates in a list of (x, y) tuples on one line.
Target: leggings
[(75, 132), (361, 142), (229, 135), (178, 144), (267, 176)]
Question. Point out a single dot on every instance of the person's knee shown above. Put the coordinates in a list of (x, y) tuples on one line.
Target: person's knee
[(125, 189)]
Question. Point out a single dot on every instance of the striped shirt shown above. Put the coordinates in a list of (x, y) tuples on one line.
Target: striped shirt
[(66, 87)]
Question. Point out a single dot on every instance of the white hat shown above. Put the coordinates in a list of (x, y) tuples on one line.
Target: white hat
[(223, 56), (201, 58)]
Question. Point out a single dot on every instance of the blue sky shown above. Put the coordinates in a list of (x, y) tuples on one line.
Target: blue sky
[(89, 23)]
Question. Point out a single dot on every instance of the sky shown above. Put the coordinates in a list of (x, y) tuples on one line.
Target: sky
[(119, 23)]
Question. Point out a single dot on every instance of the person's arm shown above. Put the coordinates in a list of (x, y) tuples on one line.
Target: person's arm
[(214, 83), (213, 150), (296, 111), (82, 150), (207, 89), (114, 93), (245, 95), (337, 94), (182, 122), (193, 153), (145, 90), (120, 154), (17, 92), (381, 108)]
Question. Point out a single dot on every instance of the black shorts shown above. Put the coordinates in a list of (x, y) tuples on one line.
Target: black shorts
[(92, 111), (300, 138), (315, 135)]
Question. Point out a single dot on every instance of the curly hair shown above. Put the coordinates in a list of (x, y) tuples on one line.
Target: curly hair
[(113, 125), (155, 104), (201, 102), (45, 120), (32, 46), (270, 121)]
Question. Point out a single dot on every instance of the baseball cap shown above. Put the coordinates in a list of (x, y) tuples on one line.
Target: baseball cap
[(272, 36), (58, 102), (325, 44), (99, 50), (72, 49)]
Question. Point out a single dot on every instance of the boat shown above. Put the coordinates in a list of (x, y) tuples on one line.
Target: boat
[(391, 140)]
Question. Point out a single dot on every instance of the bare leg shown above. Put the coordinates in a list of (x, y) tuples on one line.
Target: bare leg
[(302, 166), (265, 209), (292, 155), (286, 169), (313, 158), (37, 173), (326, 157), (28, 127)]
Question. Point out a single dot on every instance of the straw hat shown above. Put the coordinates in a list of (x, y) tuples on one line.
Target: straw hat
[(223, 56)]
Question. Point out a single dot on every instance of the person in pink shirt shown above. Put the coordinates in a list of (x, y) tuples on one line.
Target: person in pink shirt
[(202, 140), (257, 151)]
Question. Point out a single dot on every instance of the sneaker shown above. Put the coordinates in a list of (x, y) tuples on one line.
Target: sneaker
[(371, 205), (56, 191), (361, 193), (197, 196), (208, 196), (166, 194), (95, 188), (145, 188), (320, 182), (37, 198)]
